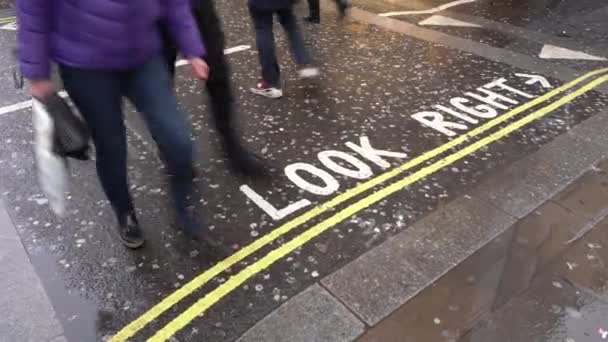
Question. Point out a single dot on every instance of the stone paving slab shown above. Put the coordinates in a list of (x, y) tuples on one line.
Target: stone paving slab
[(313, 315), (27, 313), (529, 182), (585, 263), (552, 310)]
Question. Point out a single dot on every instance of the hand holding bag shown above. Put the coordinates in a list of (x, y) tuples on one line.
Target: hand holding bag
[(59, 134)]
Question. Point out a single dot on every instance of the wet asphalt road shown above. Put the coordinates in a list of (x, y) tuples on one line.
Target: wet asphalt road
[(373, 81)]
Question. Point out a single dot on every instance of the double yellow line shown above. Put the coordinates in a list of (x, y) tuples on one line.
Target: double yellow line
[(235, 281), (7, 20)]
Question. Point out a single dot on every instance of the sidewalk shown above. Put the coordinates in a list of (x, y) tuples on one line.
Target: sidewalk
[(544, 279), (27, 314)]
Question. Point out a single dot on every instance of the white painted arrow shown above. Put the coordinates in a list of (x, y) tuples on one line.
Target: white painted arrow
[(428, 11), (439, 20), (556, 52), (532, 79)]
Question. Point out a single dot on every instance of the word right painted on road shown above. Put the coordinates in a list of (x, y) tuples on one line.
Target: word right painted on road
[(364, 159), (462, 113)]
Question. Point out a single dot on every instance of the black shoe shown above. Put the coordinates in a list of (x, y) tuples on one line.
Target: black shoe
[(129, 231), (313, 19)]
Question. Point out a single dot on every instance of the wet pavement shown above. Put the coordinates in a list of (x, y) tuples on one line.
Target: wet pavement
[(370, 120), (544, 279), (521, 26)]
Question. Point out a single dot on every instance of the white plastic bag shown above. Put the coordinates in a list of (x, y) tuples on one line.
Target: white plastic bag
[(52, 168)]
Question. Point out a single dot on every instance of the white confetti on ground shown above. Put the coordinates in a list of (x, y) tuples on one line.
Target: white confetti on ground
[(571, 265)]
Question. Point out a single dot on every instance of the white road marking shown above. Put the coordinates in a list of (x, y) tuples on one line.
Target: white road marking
[(556, 52), (228, 51), (23, 105), (28, 103), (535, 79), (429, 11), (439, 20), (237, 48), (10, 26)]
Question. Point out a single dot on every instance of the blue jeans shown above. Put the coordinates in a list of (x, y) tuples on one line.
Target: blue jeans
[(98, 95), (264, 36)]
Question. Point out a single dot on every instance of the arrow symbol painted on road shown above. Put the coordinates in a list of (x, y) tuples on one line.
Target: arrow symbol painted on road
[(532, 79), (556, 52), (428, 11), (439, 20)]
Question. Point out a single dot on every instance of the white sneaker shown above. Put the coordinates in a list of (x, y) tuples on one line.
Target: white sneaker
[(264, 88), (309, 72)]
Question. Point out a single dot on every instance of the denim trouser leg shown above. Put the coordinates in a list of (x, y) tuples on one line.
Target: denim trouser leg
[(264, 37), (149, 88), (98, 96), (294, 35)]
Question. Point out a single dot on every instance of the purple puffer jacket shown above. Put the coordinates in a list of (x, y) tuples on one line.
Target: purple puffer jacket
[(99, 34)]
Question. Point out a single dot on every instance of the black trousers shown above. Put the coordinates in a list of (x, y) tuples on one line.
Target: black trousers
[(218, 85), (314, 7)]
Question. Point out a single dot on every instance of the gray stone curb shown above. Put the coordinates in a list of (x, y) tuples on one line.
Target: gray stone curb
[(27, 313), (313, 315)]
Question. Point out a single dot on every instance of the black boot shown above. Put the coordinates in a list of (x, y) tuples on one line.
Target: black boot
[(129, 231)]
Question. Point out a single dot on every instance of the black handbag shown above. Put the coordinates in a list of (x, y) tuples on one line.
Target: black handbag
[(71, 135)]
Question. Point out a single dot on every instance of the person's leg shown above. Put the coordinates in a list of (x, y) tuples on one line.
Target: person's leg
[(264, 36), (220, 93), (314, 10), (98, 96), (296, 41), (148, 87), (342, 6), (218, 83)]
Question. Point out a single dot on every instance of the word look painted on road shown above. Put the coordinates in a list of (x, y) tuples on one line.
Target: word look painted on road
[(295, 173), (483, 103), (463, 111)]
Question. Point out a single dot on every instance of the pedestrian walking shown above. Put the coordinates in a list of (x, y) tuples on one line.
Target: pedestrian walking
[(263, 12), (314, 10), (107, 50), (218, 86)]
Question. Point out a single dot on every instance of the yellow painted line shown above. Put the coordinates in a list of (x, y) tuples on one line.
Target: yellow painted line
[(138, 324), (237, 280), (6, 20)]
